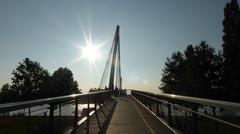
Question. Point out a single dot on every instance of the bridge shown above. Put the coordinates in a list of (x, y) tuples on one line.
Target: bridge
[(110, 109)]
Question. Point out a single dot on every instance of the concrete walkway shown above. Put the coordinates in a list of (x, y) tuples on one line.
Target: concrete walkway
[(130, 117)]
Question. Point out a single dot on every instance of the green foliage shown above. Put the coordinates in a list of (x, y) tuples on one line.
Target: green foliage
[(31, 81), (202, 72), (5, 93), (231, 50), (62, 82), (197, 72), (6, 89), (28, 79), (172, 73)]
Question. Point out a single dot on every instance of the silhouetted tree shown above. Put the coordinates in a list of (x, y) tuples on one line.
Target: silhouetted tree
[(5, 94), (5, 89), (62, 83), (207, 72), (172, 74), (196, 73), (31, 81), (231, 50), (189, 72), (75, 88), (28, 79)]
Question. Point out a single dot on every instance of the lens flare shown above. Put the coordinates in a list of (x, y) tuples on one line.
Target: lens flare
[(91, 52)]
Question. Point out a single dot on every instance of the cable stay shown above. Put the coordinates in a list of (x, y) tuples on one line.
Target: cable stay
[(111, 77)]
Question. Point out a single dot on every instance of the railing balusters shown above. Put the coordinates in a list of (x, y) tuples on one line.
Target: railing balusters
[(157, 108), (51, 118), (150, 104), (75, 122), (88, 112), (29, 120), (195, 119), (60, 110), (182, 113), (169, 114), (52, 115)]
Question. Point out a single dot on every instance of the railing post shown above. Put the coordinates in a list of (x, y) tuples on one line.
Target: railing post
[(102, 98), (95, 109), (162, 112), (216, 124), (169, 114), (95, 103), (51, 116), (195, 119), (75, 123), (150, 104), (29, 118), (60, 110), (157, 109), (88, 111)]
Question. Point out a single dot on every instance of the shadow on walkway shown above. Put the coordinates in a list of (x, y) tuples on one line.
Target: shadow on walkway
[(130, 117)]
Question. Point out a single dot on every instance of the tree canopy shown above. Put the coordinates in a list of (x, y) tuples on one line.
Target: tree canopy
[(231, 50), (31, 81), (62, 82), (197, 72), (28, 79), (201, 71)]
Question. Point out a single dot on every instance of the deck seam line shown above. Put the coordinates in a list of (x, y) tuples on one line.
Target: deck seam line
[(149, 127), (156, 116)]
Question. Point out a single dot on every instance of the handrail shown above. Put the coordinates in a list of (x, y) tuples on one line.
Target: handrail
[(192, 111), (191, 114), (25, 104), (202, 101), (52, 115)]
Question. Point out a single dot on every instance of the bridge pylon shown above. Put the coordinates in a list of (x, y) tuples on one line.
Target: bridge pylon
[(112, 78)]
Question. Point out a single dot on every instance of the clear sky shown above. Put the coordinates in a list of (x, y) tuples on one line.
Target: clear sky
[(48, 31)]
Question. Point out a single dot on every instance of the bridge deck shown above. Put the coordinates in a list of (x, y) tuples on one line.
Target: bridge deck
[(132, 118)]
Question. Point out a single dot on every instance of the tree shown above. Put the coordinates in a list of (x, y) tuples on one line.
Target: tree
[(172, 74), (28, 79), (189, 72), (196, 73), (31, 81), (5, 89), (208, 72), (62, 83), (231, 50), (5, 94)]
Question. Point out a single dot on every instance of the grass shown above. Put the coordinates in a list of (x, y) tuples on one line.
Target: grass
[(35, 124)]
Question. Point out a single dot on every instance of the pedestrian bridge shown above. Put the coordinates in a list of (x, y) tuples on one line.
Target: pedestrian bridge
[(113, 111), (105, 112)]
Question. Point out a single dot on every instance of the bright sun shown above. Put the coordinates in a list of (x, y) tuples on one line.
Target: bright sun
[(90, 52)]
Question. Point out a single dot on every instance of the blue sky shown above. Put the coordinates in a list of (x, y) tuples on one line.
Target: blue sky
[(150, 30)]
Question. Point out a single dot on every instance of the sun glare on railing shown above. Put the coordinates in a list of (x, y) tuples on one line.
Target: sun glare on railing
[(73, 95), (173, 96)]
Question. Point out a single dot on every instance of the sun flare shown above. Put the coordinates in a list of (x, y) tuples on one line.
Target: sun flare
[(90, 52)]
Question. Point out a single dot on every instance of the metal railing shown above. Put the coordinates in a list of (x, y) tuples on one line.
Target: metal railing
[(191, 115), (51, 115)]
